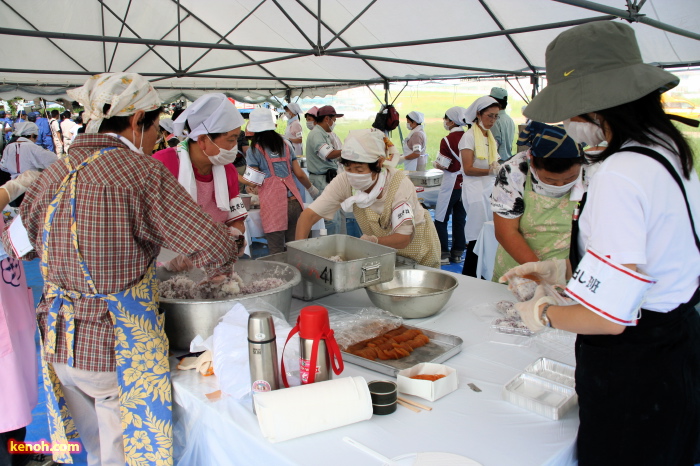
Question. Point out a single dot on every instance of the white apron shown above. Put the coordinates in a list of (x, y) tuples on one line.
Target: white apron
[(446, 188), (412, 165), (476, 193)]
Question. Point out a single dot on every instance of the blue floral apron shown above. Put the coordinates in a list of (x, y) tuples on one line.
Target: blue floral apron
[(140, 346)]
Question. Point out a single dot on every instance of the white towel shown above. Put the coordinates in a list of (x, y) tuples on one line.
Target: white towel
[(185, 176), (307, 409)]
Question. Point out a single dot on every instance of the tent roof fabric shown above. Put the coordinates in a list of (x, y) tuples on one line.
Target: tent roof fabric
[(257, 50)]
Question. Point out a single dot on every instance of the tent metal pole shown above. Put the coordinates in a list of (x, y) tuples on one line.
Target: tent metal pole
[(225, 35), (386, 92), (349, 24), (296, 26), (104, 45), (630, 17), (318, 17), (381, 75), (483, 35), (36, 30), (179, 37), (421, 63), (535, 81), (121, 31), (149, 49), (124, 24), (510, 39)]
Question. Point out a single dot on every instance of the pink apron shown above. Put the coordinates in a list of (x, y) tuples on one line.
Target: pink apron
[(18, 367), (273, 194), (206, 200)]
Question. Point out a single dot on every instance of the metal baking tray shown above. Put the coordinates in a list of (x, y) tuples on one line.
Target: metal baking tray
[(541, 396), (553, 370), (441, 348), (427, 178), (305, 290), (365, 263)]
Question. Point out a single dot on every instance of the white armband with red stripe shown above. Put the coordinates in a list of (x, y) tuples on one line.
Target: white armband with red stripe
[(609, 289), (417, 148), (254, 176), (237, 209), (324, 151), (401, 214)]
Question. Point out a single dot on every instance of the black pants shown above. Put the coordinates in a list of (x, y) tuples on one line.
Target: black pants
[(470, 261), (639, 392), (8, 459), (459, 215)]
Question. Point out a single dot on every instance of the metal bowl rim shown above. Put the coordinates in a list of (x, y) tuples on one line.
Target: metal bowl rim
[(296, 279), (405, 295)]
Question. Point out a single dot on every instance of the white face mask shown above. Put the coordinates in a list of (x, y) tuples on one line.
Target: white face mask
[(140, 148), (482, 125), (310, 124), (408, 126), (360, 181), (554, 191), (333, 126), (225, 156), (584, 132), (444, 125)]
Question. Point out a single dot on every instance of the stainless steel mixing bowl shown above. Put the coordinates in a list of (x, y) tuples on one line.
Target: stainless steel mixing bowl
[(413, 293), (186, 318)]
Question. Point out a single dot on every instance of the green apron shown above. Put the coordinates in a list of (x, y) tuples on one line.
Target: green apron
[(424, 248), (140, 346), (545, 225)]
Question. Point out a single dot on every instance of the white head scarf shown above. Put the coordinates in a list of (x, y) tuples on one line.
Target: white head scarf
[(477, 106), (126, 93), (458, 115), (26, 128), (211, 113), (167, 125), (418, 117), (363, 146), (294, 108)]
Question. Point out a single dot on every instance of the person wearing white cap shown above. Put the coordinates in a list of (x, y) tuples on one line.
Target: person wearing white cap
[(272, 165), (383, 200), (97, 220), (479, 156), (449, 201), (203, 164), (24, 154), (504, 129), (293, 131), (634, 263), (415, 155)]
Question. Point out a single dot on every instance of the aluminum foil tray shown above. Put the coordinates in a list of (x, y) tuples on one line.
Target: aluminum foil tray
[(553, 370), (539, 395)]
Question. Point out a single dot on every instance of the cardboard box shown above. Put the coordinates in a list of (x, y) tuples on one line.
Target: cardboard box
[(427, 389)]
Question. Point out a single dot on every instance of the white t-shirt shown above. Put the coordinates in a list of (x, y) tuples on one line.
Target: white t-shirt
[(467, 142), (635, 214)]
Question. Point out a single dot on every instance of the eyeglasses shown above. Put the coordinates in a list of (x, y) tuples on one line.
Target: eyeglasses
[(492, 116)]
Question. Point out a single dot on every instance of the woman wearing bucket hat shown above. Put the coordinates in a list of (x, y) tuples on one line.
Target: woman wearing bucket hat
[(383, 200), (635, 254), (479, 156), (272, 165), (534, 198), (415, 144), (203, 164)]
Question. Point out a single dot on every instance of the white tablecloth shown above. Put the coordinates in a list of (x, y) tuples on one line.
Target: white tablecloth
[(480, 426), (485, 247)]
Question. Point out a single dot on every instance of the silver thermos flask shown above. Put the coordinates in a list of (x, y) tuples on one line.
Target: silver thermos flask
[(262, 353)]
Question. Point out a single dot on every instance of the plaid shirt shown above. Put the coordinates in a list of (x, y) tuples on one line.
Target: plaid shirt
[(128, 206)]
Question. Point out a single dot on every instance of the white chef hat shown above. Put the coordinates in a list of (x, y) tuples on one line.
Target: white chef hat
[(261, 119), (26, 128), (211, 113), (167, 125), (458, 115), (418, 117), (294, 108), (363, 145), (477, 106), (126, 93)]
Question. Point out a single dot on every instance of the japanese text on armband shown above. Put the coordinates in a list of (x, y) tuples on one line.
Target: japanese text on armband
[(237, 209), (402, 213)]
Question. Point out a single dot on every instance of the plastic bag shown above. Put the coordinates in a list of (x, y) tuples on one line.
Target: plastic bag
[(368, 323)]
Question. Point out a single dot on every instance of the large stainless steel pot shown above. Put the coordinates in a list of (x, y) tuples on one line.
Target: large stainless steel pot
[(186, 318)]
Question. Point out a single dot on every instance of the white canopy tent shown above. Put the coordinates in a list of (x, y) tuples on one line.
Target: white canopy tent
[(252, 50)]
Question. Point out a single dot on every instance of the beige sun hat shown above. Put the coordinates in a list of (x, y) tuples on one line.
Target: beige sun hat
[(592, 67)]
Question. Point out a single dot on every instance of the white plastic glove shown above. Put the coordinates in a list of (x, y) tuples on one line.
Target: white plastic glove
[(552, 271), (494, 168), (15, 188), (240, 237), (181, 263), (314, 192), (531, 311), (370, 238), (402, 159)]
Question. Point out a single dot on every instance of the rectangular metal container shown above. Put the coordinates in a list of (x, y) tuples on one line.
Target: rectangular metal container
[(441, 348), (305, 290), (553, 370), (426, 179), (539, 395), (365, 263)]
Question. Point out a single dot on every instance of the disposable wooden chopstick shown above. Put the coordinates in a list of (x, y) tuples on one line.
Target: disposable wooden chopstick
[(406, 405), (406, 400)]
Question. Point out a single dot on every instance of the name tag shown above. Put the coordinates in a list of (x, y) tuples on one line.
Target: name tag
[(443, 160), (237, 209), (19, 237), (401, 214), (254, 176), (417, 148), (324, 150), (609, 289)]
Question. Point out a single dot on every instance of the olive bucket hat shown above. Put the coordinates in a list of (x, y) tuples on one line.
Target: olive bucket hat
[(593, 67)]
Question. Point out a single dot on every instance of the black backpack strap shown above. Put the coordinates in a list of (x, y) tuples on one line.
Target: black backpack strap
[(664, 161)]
